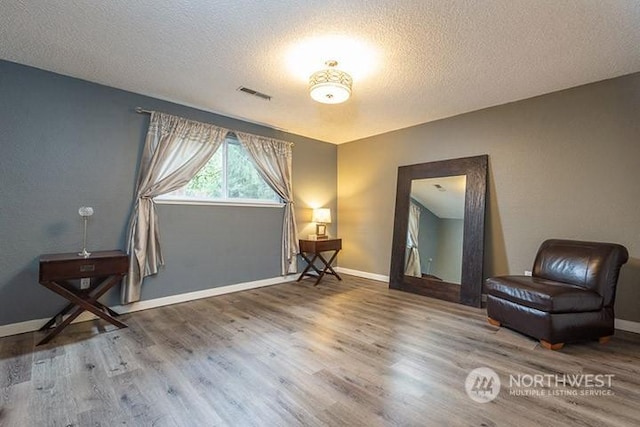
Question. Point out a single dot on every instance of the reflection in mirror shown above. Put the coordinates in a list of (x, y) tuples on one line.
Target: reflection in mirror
[(435, 228)]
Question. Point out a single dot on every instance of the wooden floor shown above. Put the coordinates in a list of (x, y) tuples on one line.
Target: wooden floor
[(350, 353)]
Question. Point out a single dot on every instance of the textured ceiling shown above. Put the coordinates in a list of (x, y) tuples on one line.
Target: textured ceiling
[(447, 202), (412, 61)]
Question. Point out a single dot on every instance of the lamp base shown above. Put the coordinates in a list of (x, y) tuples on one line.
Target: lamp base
[(321, 231), (84, 253)]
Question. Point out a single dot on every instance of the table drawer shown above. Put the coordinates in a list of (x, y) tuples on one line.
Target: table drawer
[(83, 267), (328, 245), (314, 246)]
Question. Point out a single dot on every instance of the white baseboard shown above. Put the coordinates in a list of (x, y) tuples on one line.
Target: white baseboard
[(22, 327), (627, 325), (206, 293), (364, 274), (34, 325)]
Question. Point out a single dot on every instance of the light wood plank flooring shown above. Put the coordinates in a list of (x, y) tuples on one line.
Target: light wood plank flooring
[(350, 353)]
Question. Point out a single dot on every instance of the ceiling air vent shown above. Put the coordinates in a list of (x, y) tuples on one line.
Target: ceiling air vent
[(255, 93)]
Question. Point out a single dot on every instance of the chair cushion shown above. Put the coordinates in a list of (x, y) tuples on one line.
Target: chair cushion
[(542, 294)]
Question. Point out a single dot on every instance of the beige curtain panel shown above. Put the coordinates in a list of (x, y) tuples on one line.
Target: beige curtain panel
[(413, 255), (272, 159), (175, 150)]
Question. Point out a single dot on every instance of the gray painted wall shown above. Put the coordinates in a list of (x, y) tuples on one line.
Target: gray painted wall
[(448, 263), (67, 143), (428, 238), (564, 165), (440, 239)]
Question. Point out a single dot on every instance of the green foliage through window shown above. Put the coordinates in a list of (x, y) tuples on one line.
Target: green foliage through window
[(229, 175)]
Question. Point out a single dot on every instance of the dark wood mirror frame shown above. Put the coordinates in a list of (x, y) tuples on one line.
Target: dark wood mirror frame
[(469, 291)]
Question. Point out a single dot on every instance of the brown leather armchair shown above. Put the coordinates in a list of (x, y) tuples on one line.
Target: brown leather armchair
[(569, 296)]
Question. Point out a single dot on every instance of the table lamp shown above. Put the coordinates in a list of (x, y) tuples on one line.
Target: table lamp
[(321, 217), (85, 212)]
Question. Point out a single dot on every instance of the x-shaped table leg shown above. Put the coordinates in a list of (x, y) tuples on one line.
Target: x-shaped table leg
[(327, 266), (81, 303), (327, 269)]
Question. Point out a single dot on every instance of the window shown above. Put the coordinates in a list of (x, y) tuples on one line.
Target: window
[(228, 177)]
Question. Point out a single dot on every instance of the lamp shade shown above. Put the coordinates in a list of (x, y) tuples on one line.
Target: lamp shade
[(322, 215), (330, 86), (85, 211)]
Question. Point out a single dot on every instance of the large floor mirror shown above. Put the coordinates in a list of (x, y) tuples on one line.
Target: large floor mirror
[(438, 234)]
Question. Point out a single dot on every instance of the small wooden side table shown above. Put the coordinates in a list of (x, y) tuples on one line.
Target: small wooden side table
[(57, 269), (315, 248)]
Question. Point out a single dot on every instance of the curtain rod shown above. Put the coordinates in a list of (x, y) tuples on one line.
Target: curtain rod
[(141, 110)]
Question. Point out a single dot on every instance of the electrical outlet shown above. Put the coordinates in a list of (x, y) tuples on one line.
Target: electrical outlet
[(527, 273), (85, 282)]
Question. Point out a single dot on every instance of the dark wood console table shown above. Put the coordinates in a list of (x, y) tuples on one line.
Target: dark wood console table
[(315, 248), (57, 269)]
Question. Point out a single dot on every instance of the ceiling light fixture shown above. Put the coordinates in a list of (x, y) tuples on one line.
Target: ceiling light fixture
[(330, 86)]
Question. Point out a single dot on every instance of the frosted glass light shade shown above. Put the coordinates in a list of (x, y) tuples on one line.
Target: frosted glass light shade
[(322, 215), (85, 211), (330, 86)]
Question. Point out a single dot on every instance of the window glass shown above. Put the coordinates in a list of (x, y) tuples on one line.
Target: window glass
[(243, 179), (230, 175)]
